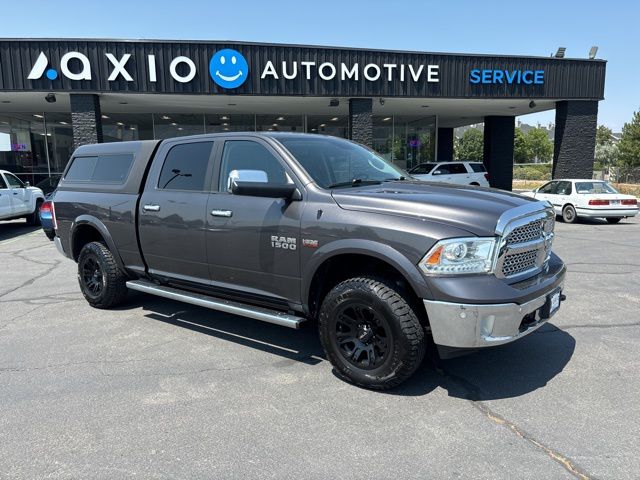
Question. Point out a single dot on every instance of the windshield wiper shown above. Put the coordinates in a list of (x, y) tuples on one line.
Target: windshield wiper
[(356, 182)]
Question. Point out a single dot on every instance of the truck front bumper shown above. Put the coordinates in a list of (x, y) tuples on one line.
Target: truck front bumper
[(464, 325)]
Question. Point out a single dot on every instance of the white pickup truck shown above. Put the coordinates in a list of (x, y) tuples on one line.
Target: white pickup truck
[(19, 200)]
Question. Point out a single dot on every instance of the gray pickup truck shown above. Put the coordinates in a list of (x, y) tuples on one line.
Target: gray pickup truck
[(285, 228)]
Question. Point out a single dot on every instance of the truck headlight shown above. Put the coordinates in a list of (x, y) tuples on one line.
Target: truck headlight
[(459, 255)]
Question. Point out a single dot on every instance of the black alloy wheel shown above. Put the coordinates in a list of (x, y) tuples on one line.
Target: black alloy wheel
[(91, 276), (362, 335)]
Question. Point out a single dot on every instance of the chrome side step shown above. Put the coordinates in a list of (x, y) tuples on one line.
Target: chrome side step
[(227, 306)]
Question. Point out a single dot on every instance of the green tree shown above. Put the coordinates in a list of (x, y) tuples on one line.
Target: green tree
[(521, 149), (539, 144), (607, 154), (629, 145), (604, 135), (470, 146)]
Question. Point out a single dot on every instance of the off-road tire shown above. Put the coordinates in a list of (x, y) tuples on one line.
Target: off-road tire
[(613, 219), (34, 218), (112, 288), (405, 339), (569, 214)]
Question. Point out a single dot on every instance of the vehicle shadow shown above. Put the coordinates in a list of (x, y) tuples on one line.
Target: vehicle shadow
[(506, 371), (296, 345), (15, 228), (500, 372)]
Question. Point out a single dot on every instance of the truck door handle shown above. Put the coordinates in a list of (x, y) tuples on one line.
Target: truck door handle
[(151, 208), (222, 213)]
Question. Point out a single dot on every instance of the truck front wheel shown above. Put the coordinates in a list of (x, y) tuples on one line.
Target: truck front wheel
[(34, 218), (102, 282), (370, 333)]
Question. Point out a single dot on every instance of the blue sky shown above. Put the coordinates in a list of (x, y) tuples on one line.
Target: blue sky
[(509, 27)]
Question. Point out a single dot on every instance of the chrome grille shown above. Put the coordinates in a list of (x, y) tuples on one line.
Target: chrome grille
[(526, 236), (515, 263), (526, 233)]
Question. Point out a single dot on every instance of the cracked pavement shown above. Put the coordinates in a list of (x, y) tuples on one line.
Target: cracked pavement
[(158, 389)]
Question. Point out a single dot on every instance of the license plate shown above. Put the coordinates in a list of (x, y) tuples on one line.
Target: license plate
[(615, 202), (555, 302), (551, 306)]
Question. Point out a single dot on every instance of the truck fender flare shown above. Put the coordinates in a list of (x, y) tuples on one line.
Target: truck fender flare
[(370, 248), (101, 228)]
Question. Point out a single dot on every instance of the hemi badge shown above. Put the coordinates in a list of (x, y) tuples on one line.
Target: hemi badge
[(307, 242)]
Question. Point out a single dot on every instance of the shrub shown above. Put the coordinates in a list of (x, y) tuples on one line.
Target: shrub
[(538, 171)]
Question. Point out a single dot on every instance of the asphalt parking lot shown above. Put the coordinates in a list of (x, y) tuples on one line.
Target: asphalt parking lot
[(159, 389)]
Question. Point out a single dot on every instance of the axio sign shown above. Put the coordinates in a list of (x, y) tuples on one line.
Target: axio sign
[(229, 69)]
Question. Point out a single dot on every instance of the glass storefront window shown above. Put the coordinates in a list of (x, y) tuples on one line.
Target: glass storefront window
[(383, 136), (225, 122), (414, 140), (32, 145), (336, 125), (168, 125), (280, 123), (122, 127), (25, 137)]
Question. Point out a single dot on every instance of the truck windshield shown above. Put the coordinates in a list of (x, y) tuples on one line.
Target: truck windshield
[(333, 162)]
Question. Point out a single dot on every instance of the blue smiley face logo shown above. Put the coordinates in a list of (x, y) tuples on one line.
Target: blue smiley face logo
[(228, 68)]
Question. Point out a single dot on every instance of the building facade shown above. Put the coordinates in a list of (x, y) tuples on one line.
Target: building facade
[(57, 94)]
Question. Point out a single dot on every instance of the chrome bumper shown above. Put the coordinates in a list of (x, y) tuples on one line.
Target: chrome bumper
[(473, 326)]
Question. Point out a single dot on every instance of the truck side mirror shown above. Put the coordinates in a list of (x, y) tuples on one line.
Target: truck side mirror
[(255, 183), (27, 184), (437, 172), (256, 176)]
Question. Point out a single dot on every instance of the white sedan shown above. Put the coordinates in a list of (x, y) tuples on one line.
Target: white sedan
[(586, 198)]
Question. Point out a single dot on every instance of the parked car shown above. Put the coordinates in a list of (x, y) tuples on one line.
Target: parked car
[(18, 199), (286, 227), (48, 185), (461, 173), (575, 198)]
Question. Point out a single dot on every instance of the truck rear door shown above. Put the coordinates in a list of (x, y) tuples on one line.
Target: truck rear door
[(172, 211)]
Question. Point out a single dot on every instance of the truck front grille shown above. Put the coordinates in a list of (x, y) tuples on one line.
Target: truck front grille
[(525, 245), (526, 233), (515, 263)]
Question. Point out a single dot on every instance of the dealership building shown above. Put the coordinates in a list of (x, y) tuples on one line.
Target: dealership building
[(56, 94)]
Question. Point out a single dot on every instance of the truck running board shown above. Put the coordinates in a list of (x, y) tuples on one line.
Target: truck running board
[(227, 306)]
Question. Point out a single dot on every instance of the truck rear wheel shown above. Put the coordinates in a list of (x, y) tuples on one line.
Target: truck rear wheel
[(370, 333), (103, 284)]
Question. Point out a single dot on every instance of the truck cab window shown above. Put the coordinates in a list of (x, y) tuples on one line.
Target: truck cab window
[(248, 155), (13, 181), (185, 167)]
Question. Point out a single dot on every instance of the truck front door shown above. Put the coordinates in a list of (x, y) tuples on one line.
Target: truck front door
[(5, 199), (172, 211), (19, 195), (253, 242)]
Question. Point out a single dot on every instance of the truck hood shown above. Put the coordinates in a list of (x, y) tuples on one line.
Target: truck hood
[(473, 209)]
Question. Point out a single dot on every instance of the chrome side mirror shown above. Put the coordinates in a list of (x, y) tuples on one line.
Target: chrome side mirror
[(254, 176)]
